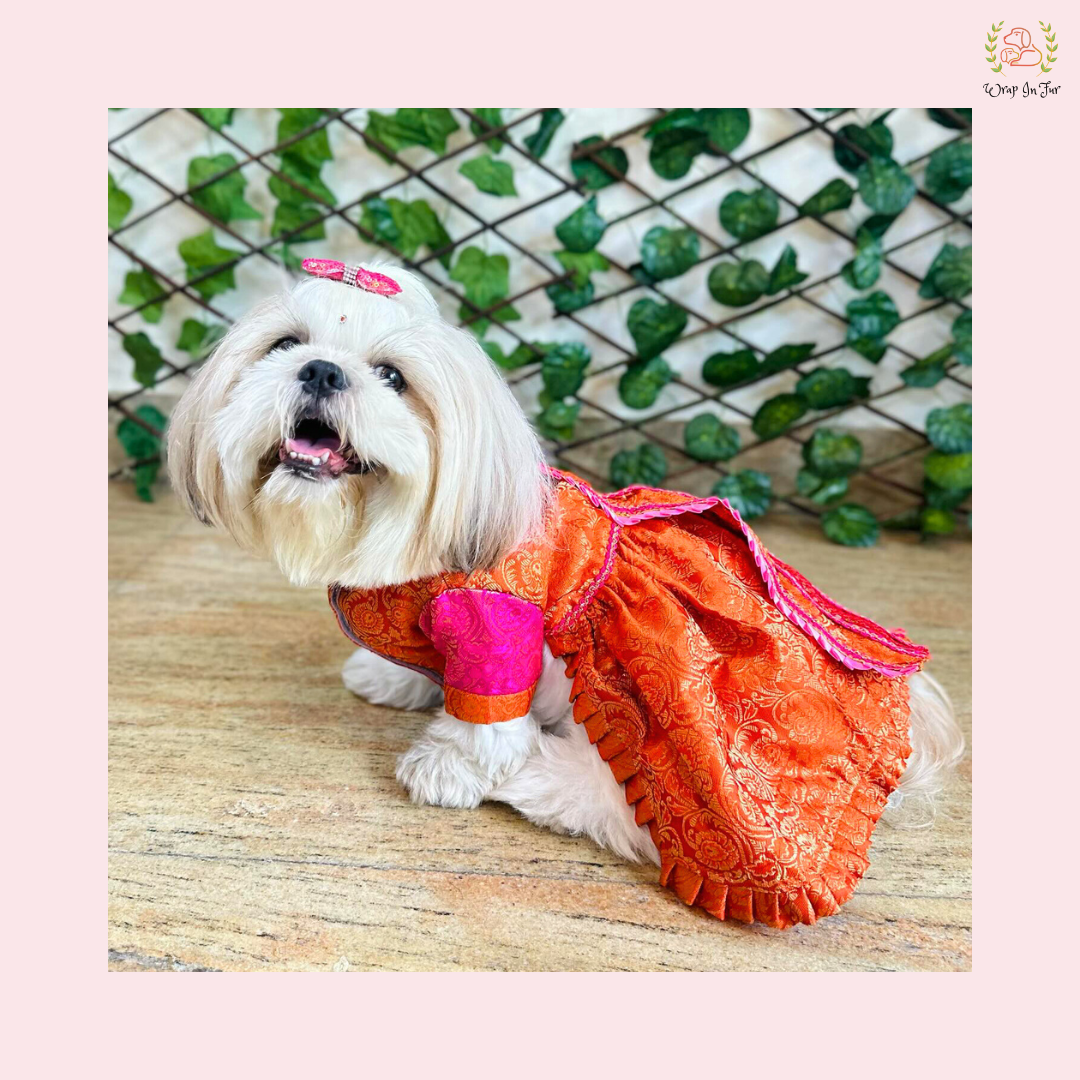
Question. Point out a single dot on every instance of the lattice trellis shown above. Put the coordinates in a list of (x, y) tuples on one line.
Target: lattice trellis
[(790, 153)]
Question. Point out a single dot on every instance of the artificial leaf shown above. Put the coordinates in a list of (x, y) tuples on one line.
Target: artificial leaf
[(942, 498), (141, 286), (563, 368), (835, 195), (870, 318), (308, 187), (829, 388), (786, 356), (643, 380), (726, 128), (785, 274), (582, 265), (948, 173), (829, 453), (819, 489), (934, 522), (654, 326), (601, 168), (737, 284), (673, 151), (865, 268), (949, 274), (557, 420), (198, 339), (748, 492), (878, 224), (582, 230), (298, 221), (950, 471), (144, 476), (490, 175), (538, 143), (851, 525), (201, 254), (777, 414), (707, 438), (147, 357), (120, 204), (747, 215), (223, 199), (884, 186), (215, 118), (138, 443), (644, 465), (951, 118), (411, 127), (874, 139), (929, 371), (566, 297), (961, 332), (667, 253), (406, 226), (950, 429), (729, 369), (313, 149), (486, 119)]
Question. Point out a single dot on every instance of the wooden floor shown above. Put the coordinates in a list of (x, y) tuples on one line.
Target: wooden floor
[(255, 823)]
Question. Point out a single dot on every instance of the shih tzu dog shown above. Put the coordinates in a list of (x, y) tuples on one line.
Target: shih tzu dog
[(748, 731)]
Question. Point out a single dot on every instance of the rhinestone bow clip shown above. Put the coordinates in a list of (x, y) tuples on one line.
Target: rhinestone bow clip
[(367, 280)]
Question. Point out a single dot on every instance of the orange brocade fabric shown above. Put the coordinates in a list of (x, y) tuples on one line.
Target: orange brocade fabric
[(757, 726)]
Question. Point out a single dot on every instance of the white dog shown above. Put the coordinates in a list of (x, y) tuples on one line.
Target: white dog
[(364, 441)]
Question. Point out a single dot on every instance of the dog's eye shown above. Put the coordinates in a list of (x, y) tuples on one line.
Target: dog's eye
[(391, 376), (284, 343)]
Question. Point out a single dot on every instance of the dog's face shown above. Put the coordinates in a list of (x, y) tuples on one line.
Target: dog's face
[(1019, 37), (357, 439)]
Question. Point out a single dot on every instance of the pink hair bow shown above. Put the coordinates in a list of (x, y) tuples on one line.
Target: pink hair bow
[(367, 280)]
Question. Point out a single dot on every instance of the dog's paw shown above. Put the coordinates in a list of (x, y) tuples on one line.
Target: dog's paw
[(437, 773), (381, 682)]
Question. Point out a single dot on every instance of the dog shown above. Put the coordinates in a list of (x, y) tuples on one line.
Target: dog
[(361, 441), (1018, 50)]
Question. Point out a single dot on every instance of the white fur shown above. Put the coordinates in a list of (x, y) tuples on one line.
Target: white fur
[(456, 484)]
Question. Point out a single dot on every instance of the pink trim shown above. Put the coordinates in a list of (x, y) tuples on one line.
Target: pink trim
[(368, 280), (574, 613)]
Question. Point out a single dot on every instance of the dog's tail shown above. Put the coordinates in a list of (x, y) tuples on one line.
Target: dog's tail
[(937, 745)]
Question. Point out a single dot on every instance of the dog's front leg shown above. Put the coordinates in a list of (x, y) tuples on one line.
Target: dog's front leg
[(459, 764)]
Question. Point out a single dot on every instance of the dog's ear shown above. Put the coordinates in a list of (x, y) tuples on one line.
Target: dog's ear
[(195, 477), (1025, 39)]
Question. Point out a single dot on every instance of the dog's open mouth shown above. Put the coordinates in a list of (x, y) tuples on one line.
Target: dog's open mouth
[(316, 450)]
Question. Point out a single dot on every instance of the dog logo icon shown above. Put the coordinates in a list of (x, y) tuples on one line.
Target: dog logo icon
[(1018, 50)]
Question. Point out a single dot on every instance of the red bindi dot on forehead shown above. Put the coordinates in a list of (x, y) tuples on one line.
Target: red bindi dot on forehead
[(342, 319)]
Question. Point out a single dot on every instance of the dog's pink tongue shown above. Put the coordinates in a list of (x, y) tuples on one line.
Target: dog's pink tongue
[(306, 446)]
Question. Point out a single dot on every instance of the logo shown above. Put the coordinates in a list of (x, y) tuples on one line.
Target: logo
[(1018, 50)]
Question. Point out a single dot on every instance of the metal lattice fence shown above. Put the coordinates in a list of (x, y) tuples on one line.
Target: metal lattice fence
[(192, 252)]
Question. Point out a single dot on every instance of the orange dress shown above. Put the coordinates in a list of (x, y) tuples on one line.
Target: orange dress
[(757, 726)]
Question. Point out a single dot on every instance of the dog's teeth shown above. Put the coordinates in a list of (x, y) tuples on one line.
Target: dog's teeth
[(325, 458), (293, 453)]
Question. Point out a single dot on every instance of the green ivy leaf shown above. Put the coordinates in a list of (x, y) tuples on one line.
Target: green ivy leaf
[(198, 339), (748, 492), (215, 118), (566, 297), (667, 253), (486, 120), (654, 326), (950, 429), (590, 173), (144, 476), (563, 368), (307, 176), (949, 274), (120, 204), (870, 319), (289, 219), (147, 357), (777, 414), (961, 332), (538, 143), (314, 149), (884, 186), (821, 490), (405, 227), (786, 356), (747, 215), (487, 281), (875, 140), (942, 498), (935, 522), (643, 380), (737, 284), (224, 199), (557, 420), (673, 151), (835, 195), (582, 265), (929, 371), (644, 465), (726, 128), (948, 173), (950, 471), (139, 287), (707, 438), (489, 175), (411, 127), (583, 229), (729, 369), (829, 388), (137, 442), (939, 116), (865, 268), (878, 224), (830, 453), (201, 254), (851, 525), (785, 274)]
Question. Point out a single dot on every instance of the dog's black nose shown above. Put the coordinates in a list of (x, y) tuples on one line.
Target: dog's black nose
[(320, 378)]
